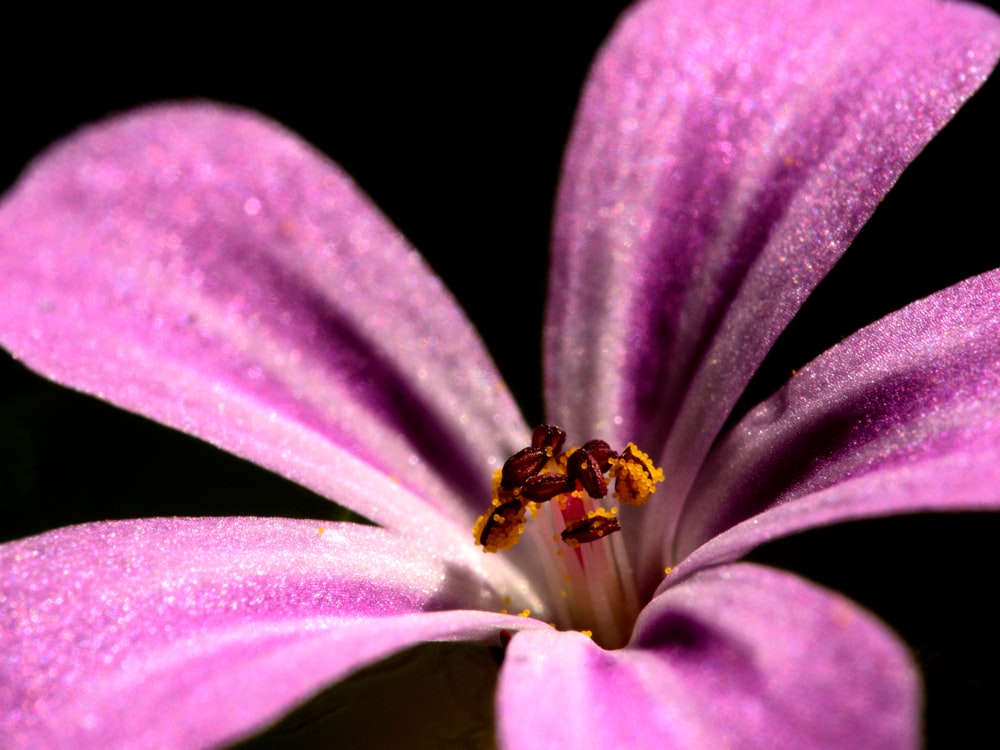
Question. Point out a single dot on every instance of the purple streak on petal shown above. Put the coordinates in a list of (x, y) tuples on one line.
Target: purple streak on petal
[(738, 656), (724, 156), (963, 477), (902, 416), (912, 388), (189, 632), (202, 266)]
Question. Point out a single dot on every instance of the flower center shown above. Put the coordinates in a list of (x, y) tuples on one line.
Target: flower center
[(556, 498)]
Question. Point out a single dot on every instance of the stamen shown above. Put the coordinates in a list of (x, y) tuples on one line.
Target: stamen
[(597, 524), (587, 470), (635, 476), (542, 487), (501, 526), (548, 438), (523, 464), (581, 559), (601, 452)]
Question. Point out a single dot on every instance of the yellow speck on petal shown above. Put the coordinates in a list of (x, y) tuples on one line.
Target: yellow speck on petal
[(319, 531), (524, 613), (588, 633), (668, 570)]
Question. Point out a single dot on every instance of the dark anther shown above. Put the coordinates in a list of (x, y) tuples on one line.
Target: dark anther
[(548, 436), (601, 451), (542, 487), (523, 464), (591, 529), (629, 457), (508, 511), (582, 465)]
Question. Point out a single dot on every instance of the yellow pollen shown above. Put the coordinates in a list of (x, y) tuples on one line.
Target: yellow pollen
[(588, 633), (635, 476), (501, 526), (524, 613)]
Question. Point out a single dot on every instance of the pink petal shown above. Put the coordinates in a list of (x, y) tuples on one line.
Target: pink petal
[(738, 656), (190, 632), (903, 416), (203, 267), (725, 155)]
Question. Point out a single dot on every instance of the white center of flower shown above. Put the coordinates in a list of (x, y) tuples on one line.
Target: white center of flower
[(554, 498)]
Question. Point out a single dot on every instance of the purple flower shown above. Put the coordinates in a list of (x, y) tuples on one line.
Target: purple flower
[(201, 266)]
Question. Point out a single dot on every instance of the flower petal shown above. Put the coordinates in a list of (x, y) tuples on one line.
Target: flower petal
[(902, 416), (203, 267), (188, 632), (724, 157), (738, 656)]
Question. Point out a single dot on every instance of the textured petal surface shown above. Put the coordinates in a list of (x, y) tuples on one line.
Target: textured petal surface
[(724, 156), (203, 267), (187, 632), (739, 656), (902, 416)]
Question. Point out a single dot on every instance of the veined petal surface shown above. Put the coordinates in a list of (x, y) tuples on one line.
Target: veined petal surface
[(740, 656), (190, 632), (903, 416), (723, 158), (202, 266)]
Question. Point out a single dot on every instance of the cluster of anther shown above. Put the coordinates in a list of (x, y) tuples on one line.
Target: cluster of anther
[(541, 472)]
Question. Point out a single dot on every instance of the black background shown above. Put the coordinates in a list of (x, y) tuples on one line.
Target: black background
[(454, 122)]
